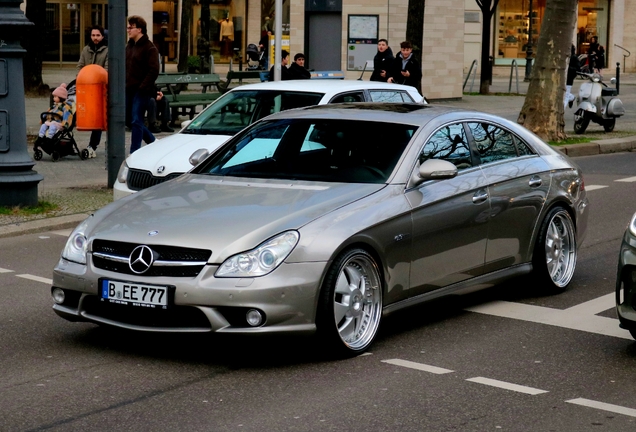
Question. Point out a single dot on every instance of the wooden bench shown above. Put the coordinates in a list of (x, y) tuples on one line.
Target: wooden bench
[(186, 103)]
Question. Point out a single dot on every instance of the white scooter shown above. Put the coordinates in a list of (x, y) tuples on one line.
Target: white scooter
[(597, 102)]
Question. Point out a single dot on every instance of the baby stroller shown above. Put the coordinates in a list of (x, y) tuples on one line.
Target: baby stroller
[(255, 58), (63, 142)]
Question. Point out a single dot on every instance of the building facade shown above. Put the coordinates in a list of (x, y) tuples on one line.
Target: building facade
[(342, 34)]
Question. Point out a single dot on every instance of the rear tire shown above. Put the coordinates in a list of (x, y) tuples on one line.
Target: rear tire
[(37, 154), (84, 154), (350, 305), (554, 258), (580, 125), (609, 124), (633, 333), (55, 156)]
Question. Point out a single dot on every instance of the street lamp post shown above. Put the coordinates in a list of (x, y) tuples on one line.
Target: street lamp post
[(529, 45), (18, 181)]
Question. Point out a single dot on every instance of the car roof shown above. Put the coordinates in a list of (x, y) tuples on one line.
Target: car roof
[(405, 113), (325, 86)]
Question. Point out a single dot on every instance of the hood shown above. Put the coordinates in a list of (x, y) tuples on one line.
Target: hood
[(223, 214), (173, 152)]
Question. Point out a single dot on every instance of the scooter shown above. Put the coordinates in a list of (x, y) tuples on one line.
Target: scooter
[(597, 102)]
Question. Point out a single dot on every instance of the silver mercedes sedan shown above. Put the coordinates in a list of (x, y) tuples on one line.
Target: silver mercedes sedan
[(323, 220)]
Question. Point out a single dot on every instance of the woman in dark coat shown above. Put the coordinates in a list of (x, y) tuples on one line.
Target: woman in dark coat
[(382, 61), (405, 69)]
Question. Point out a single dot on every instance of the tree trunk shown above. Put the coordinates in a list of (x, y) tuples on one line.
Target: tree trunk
[(32, 41), (184, 35), (542, 111), (485, 76), (415, 31), (487, 7)]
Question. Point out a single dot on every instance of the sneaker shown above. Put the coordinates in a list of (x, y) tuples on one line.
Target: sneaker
[(571, 103), (166, 128), (154, 129), (91, 152)]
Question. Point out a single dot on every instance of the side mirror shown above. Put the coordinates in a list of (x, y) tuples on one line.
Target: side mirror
[(198, 156), (185, 124), (613, 80), (433, 169)]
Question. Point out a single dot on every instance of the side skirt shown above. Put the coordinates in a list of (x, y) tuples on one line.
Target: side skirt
[(464, 287)]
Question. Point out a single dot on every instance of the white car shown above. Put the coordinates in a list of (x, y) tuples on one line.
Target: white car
[(169, 157)]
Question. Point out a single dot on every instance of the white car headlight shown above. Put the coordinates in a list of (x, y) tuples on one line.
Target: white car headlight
[(75, 249), (632, 225), (262, 260), (123, 172)]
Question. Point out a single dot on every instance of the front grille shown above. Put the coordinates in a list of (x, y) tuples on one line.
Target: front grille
[(175, 317), (140, 179), (122, 251)]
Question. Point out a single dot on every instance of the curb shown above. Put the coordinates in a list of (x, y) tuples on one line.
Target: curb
[(614, 145), (40, 225)]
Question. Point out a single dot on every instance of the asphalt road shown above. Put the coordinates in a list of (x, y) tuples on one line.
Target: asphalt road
[(508, 358)]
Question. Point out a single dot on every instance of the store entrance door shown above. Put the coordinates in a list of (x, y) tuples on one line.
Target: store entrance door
[(325, 34)]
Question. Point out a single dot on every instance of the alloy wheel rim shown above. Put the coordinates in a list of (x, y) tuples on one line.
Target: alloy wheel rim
[(358, 302), (560, 250)]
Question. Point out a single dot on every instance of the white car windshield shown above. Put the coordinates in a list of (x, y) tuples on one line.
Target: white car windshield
[(238, 109), (313, 150)]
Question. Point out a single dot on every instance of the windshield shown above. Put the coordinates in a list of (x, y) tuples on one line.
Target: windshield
[(238, 109), (313, 150)]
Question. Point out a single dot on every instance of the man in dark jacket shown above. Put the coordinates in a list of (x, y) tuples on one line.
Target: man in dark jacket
[(284, 72), (404, 68), (382, 61), (297, 68), (142, 69)]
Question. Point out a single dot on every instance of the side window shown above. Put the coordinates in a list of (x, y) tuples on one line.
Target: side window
[(523, 148), (348, 97), (389, 96), (493, 143), (450, 144)]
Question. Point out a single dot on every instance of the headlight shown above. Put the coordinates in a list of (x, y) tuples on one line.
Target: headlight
[(75, 249), (262, 260), (632, 225), (123, 172)]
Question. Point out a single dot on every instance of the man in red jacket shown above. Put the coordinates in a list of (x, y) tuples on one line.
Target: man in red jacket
[(142, 69)]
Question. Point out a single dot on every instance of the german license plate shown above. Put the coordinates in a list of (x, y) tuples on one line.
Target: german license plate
[(134, 294)]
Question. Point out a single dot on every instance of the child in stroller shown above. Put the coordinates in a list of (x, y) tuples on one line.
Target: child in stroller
[(56, 133), (255, 58)]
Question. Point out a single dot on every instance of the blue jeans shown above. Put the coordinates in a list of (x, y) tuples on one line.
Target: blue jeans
[(136, 104)]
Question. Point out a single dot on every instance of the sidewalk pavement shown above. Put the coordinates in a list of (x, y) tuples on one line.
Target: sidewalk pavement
[(79, 186)]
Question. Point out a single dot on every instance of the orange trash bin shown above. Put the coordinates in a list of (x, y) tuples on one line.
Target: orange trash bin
[(91, 87)]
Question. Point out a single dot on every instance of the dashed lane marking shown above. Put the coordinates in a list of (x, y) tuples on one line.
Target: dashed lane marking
[(36, 278), (419, 366), (569, 318), (594, 187), (3, 270), (626, 180), (603, 406), (507, 386)]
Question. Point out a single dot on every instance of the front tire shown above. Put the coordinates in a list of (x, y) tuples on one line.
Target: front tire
[(350, 307), (554, 259), (37, 154), (609, 124), (580, 125), (633, 333)]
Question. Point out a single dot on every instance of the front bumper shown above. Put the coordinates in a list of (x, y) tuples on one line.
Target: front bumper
[(287, 298), (121, 190)]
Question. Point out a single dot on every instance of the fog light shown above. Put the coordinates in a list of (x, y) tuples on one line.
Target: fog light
[(254, 317), (58, 295)]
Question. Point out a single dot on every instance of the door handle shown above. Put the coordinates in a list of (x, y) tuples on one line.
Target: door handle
[(534, 181), (480, 196)]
